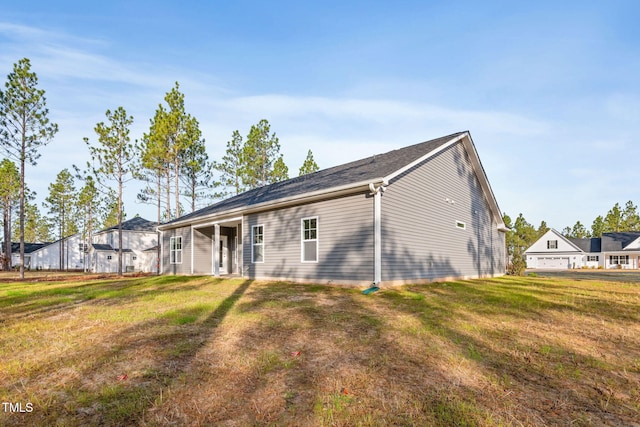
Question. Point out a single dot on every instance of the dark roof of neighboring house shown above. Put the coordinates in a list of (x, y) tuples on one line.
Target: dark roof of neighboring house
[(28, 247), (135, 224), (370, 168), (107, 248), (587, 245), (102, 247), (618, 241)]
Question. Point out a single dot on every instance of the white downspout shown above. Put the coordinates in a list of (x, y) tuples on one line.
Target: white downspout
[(377, 232)]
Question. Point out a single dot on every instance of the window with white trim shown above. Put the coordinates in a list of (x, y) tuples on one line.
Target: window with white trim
[(175, 250), (552, 244), (309, 239), (618, 259), (593, 258), (257, 243)]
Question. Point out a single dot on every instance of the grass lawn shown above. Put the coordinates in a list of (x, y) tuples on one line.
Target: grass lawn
[(203, 351)]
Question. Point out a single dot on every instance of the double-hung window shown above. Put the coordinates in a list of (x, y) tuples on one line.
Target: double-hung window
[(175, 250), (310, 239), (257, 243), (552, 244)]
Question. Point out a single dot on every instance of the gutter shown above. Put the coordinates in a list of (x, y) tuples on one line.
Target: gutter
[(313, 196)]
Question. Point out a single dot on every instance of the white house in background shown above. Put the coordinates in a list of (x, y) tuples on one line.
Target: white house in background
[(28, 249), (48, 257), (139, 247), (612, 250)]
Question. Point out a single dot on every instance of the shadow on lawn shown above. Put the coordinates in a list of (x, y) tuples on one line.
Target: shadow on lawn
[(58, 297), (159, 350), (351, 370), (356, 346)]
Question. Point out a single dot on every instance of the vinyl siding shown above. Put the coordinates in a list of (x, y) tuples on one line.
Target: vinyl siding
[(203, 250), (185, 267), (345, 241), (420, 209)]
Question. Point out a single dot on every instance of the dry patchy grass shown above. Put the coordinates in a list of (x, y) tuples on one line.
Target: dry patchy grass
[(204, 351)]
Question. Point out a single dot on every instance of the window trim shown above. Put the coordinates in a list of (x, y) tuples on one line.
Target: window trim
[(303, 240), (619, 259), (253, 244), (173, 250), (555, 244)]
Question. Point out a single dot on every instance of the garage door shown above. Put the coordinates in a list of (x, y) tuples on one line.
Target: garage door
[(557, 263)]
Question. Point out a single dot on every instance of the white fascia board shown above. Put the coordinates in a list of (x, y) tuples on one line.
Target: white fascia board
[(280, 203), (425, 157), (633, 246), (567, 240), (217, 221)]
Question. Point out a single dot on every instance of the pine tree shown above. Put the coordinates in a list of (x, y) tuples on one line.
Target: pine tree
[(598, 226), (520, 237), (89, 205), (9, 195), (24, 127), (630, 219), (309, 165), (260, 153), (174, 137), (61, 203), (231, 167), (195, 168), (111, 214), (613, 220), (37, 228), (280, 171), (578, 231), (543, 228), (115, 157)]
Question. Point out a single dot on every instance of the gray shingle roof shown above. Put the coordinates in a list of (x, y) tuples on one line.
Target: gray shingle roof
[(102, 247), (368, 168), (28, 247), (618, 241), (135, 224), (107, 248), (587, 245)]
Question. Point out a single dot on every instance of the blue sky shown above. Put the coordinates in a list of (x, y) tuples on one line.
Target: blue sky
[(549, 90)]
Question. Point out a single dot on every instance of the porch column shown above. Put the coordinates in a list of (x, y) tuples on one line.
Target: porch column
[(192, 249), (216, 250)]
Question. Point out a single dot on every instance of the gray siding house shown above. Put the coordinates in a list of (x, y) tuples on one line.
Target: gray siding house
[(417, 214)]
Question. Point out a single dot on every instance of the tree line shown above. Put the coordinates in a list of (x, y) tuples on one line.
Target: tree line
[(170, 159), (523, 234)]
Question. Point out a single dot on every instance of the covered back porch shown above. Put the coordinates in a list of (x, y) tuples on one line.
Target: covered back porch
[(217, 248)]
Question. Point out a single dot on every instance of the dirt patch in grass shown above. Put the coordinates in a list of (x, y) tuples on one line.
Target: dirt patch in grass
[(203, 351)]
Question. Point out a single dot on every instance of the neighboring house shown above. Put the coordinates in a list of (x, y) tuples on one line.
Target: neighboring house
[(139, 238), (139, 248), (28, 250), (421, 213), (612, 250), (48, 257)]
